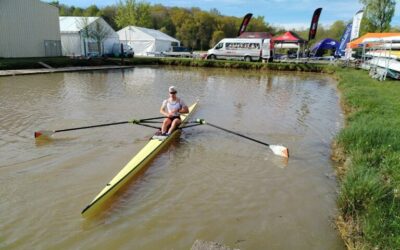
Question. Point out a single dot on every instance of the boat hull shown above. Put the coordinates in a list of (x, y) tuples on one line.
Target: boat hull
[(385, 63), (141, 159)]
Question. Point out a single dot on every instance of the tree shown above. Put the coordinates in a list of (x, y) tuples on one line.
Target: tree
[(206, 25), (99, 33), (378, 14), (257, 24), (108, 13), (83, 24), (92, 10), (336, 30), (77, 12), (161, 20), (217, 36), (133, 13)]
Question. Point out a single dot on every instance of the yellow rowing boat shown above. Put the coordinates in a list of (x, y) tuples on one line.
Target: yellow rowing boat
[(149, 151)]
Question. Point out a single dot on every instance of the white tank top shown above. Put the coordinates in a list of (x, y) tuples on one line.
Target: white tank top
[(173, 105)]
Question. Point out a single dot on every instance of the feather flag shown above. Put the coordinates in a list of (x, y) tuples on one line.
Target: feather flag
[(314, 24), (245, 22), (356, 25), (344, 40)]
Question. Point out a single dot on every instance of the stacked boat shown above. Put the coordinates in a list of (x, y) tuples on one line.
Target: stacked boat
[(384, 60)]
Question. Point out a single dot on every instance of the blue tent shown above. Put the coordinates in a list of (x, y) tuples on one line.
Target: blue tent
[(325, 44)]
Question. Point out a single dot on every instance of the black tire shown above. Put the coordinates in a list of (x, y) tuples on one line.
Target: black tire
[(247, 59), (212, 57)]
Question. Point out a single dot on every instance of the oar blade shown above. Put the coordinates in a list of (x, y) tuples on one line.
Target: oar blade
[(43, 134), (280, 150)]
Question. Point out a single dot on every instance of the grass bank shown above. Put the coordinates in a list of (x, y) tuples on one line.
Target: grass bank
[(369, 199), (57, 62)]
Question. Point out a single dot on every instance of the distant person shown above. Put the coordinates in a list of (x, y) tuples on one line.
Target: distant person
[(172, 108)]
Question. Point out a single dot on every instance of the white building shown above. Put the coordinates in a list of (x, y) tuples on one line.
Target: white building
[(76, 42), (145, 41), (29, 28)]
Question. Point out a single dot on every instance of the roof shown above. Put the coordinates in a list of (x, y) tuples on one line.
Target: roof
[(256, 35), (139, 33), (288, 37), (75, 23), (374, 37)]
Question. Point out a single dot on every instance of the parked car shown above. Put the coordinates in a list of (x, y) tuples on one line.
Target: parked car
[(116, 50), (178, 51)]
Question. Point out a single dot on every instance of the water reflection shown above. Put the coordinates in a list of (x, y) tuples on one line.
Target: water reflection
[(207, 185)]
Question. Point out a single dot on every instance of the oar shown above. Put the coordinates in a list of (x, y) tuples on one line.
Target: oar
[(276, 149), (49, 133)]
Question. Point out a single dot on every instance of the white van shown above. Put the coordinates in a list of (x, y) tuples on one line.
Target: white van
[(247, 49)]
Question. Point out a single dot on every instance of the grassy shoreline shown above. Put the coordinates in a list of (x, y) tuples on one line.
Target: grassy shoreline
[(57, 62), (368, 147)]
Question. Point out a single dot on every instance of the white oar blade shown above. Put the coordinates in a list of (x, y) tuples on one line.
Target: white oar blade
[(43, 134), (280, 150)]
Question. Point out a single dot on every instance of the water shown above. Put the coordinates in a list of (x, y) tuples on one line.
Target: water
[(206, 185)]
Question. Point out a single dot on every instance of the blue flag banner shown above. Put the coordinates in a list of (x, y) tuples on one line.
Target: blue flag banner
[(344, 40)]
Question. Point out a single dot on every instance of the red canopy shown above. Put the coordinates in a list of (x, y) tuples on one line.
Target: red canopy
[(288, 37)]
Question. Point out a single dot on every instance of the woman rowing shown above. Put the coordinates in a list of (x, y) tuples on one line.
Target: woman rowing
[(172, 108)]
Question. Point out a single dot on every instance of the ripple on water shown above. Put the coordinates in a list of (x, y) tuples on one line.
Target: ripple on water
[(208, 184)]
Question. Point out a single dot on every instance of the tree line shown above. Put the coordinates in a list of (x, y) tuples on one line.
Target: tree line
[(200, 30)]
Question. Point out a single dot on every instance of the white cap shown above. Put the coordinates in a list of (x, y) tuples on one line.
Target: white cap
[(172, 89)]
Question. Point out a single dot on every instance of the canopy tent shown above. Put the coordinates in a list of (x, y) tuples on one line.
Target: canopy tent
[(75, 43), (289, 37), (289, 40), (374, 38), (145, 41), (325, 44)]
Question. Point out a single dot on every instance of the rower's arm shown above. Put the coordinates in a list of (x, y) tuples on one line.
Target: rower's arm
[(184, 110), (162, 110)]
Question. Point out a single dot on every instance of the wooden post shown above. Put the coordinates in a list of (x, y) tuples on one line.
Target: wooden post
[(122, 54)]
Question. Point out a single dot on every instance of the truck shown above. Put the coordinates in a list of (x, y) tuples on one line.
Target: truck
[(246, 49), (178, 51)]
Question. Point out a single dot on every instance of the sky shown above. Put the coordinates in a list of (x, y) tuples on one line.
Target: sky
[(289, 14)]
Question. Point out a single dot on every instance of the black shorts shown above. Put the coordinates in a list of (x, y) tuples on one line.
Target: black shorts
[(173, 118)]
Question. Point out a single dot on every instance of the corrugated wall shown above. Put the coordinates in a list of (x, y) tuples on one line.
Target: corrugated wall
[(25, 25)]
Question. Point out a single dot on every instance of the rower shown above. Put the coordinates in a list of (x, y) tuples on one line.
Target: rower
[(172, 108)]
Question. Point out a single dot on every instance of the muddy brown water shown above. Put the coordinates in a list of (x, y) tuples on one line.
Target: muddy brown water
[(206, 185)]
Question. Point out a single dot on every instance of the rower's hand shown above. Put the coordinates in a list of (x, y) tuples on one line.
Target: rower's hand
[(173, 113)]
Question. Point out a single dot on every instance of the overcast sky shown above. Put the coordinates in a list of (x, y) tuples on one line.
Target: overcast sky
[(284, 13)]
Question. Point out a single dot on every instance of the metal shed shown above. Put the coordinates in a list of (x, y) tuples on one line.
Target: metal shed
[(29, 28)]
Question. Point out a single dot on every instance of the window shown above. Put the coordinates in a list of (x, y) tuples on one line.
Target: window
[(219, 46)]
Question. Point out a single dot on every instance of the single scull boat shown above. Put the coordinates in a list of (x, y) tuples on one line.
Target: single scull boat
[(149, 151)]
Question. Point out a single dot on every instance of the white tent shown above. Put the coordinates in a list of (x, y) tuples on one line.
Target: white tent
[(74, 42), (146, 42)]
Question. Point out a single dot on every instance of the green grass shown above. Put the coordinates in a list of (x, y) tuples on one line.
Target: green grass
[(56, 62), (370, 190)]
